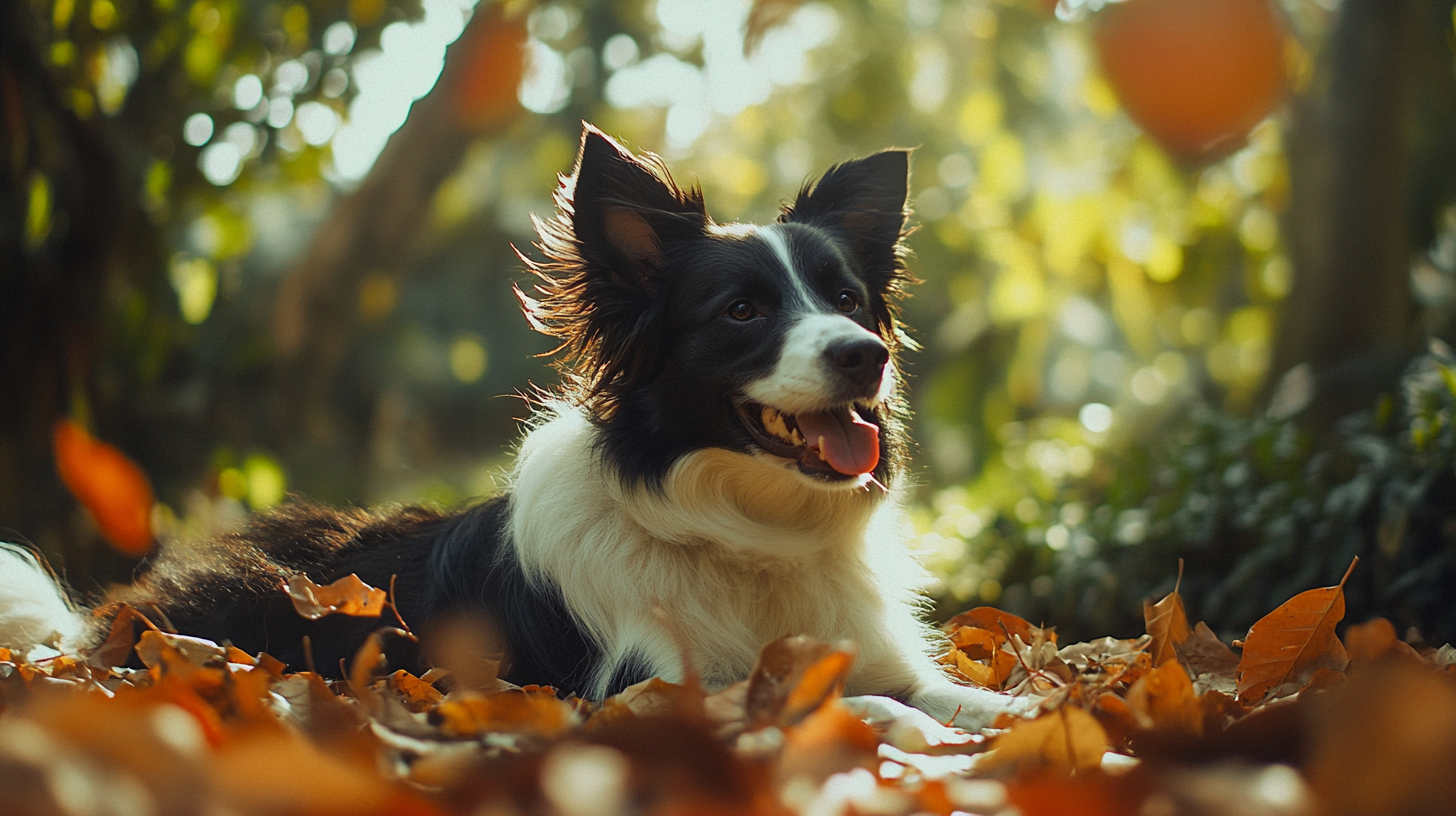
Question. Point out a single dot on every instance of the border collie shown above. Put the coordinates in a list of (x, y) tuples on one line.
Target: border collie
[(726, 450)]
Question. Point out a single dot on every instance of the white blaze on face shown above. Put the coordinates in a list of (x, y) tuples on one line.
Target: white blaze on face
[(802, 380)]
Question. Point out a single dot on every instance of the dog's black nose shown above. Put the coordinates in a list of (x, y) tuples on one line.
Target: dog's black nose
[(861, 361)]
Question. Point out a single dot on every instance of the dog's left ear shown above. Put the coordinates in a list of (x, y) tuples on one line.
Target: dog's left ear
[(863, 203)]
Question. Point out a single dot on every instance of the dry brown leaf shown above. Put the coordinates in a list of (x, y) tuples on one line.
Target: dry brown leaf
[(977, 643), (981, 674), (1290, 643), (1163, 700), (1375, 641), (1384, 744), (1220, 710), (347, 596), (830, 740), (154, 648), (1001, 624), (793, 677), (1065, 742), (120, 639), (1167, 623), (1203, 653), (418, 695), (1116, 719), (533, 711), (653, 697)]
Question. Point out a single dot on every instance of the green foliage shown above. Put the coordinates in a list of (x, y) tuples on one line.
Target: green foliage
[(1258, 509)]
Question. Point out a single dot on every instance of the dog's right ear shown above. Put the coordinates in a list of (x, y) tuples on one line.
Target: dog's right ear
[(624, 208)]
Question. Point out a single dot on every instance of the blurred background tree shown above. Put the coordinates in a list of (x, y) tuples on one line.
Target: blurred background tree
[(1174, 252)]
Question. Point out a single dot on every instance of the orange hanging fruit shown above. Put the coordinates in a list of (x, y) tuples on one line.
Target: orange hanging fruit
[(1196, 75), (110, 486)]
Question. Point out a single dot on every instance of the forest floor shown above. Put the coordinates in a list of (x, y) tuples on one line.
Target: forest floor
[(1292, 719)]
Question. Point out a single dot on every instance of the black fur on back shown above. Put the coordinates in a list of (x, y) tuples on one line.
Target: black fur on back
[(230, 589)]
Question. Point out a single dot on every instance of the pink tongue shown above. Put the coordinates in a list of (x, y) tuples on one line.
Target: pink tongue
[(849, 444)]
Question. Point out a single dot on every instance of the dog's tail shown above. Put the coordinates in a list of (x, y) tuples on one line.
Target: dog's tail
[(34, 609)]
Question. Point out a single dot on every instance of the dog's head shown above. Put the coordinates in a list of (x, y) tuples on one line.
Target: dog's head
[(680, 334)]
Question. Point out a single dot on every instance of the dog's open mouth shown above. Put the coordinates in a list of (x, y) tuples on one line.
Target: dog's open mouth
[(835, 444)]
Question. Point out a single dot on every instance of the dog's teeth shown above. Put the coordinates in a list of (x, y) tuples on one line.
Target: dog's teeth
[(774, 424), (796, 437), (820, 450)]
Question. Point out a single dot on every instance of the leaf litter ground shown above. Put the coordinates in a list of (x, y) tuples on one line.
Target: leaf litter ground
[(1173, 722)]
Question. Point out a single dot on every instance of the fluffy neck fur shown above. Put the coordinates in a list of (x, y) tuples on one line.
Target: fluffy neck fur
[(733, 549)]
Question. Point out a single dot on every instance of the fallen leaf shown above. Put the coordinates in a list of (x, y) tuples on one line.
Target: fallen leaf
[(418, 695), (1065, 742), (1375, 641), (154, 647), (1001, 624), (111, 487), (121, 637), (537, 712), (977, 643), (347, 596), (1163, 700), (1203, 653), (830, 740), (1290, 643), (793, 677), (1167, 623), (1116, 719), (1385, 744)]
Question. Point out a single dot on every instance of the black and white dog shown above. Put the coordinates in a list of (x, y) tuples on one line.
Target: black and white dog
[(726, 450)]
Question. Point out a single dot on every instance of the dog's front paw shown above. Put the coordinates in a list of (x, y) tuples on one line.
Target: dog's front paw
[(965, 707)]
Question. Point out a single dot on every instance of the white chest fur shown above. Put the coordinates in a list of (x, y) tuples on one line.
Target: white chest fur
[(735, 549)]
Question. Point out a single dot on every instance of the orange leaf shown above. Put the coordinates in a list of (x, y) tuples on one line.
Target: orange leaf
[(418, 695), (1375, 640), (110, 486), (1115, 718), (347, 596), (1066, 741), (120, 639), (793, 677), (1290, 643), (830, 740), (1163, 699), (1167, 623), (1000, 624), (978, 673), (517, 710), (978, 644)]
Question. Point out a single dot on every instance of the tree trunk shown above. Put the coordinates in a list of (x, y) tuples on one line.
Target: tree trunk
[(1347, 320), (1348, 317)]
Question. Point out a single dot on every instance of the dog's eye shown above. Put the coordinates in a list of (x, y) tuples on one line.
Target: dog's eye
[(742, 310), (847, 302)]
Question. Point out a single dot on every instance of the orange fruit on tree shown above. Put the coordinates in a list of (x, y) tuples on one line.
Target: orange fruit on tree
[(1196, 75)]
